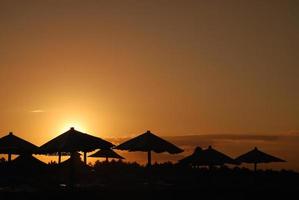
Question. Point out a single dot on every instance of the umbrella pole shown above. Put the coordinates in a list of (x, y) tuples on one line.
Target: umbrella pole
[(255, 167), (85, 159), (106, 159), (149, 168), (59, 157), (9, 157), (149, 158), (72, 171)]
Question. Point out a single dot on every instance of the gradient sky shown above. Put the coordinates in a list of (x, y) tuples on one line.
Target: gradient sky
[(118, 68)]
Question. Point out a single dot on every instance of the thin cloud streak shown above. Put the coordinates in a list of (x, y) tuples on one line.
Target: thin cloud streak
[(37, 111)]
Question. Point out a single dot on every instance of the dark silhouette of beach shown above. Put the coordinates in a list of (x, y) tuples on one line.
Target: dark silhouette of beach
[(207, 173), (121, 180)]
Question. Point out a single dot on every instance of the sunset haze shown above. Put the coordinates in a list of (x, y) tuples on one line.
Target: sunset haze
[(115, 69)]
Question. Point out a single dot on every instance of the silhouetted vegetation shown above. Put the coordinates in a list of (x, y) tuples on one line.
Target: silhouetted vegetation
[(103, 178), (202, 174)]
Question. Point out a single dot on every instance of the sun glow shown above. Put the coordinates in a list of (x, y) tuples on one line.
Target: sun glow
[(75, 124)]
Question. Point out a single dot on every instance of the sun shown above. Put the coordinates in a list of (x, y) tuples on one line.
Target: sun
[(75, 124)]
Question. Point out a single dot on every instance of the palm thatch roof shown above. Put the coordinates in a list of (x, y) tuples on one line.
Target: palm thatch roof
[(191, 158), (149, 142), (257, 156), (75, 161), (27, 160), (106, 153), (12, 144), (207, 157), (27, 167), (73, 140)]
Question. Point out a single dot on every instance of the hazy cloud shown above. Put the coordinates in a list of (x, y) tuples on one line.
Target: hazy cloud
[(294, 132), (206, 139), (37, 111), (211, 139)]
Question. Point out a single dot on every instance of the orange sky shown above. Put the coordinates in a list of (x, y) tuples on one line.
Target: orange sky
[(118, 68)]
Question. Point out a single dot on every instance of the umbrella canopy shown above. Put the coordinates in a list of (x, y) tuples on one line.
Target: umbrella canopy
[(11, 144), (207, 157), (72, 141), (74, 159), (191, 158), (26, 167), (106, 153), (256, 156), (73, 168), (148, 142), (27, 160)]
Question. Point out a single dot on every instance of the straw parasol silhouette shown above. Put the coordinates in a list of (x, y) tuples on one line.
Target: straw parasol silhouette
[(191, 158), (28, 165), (148, 142), (106, 153), (207, 157), (72, 141), (75, 160), (74, 168), (28, 160), (12, 144), (256, 156)]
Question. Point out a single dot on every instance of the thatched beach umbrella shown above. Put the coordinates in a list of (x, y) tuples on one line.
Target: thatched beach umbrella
[(72, 141), (106, 153), (74, 159), (11, 144), (256, 156), (28, 160), (191, 158), (73, 168), (149, 142), (26, 167), (207, 157)]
